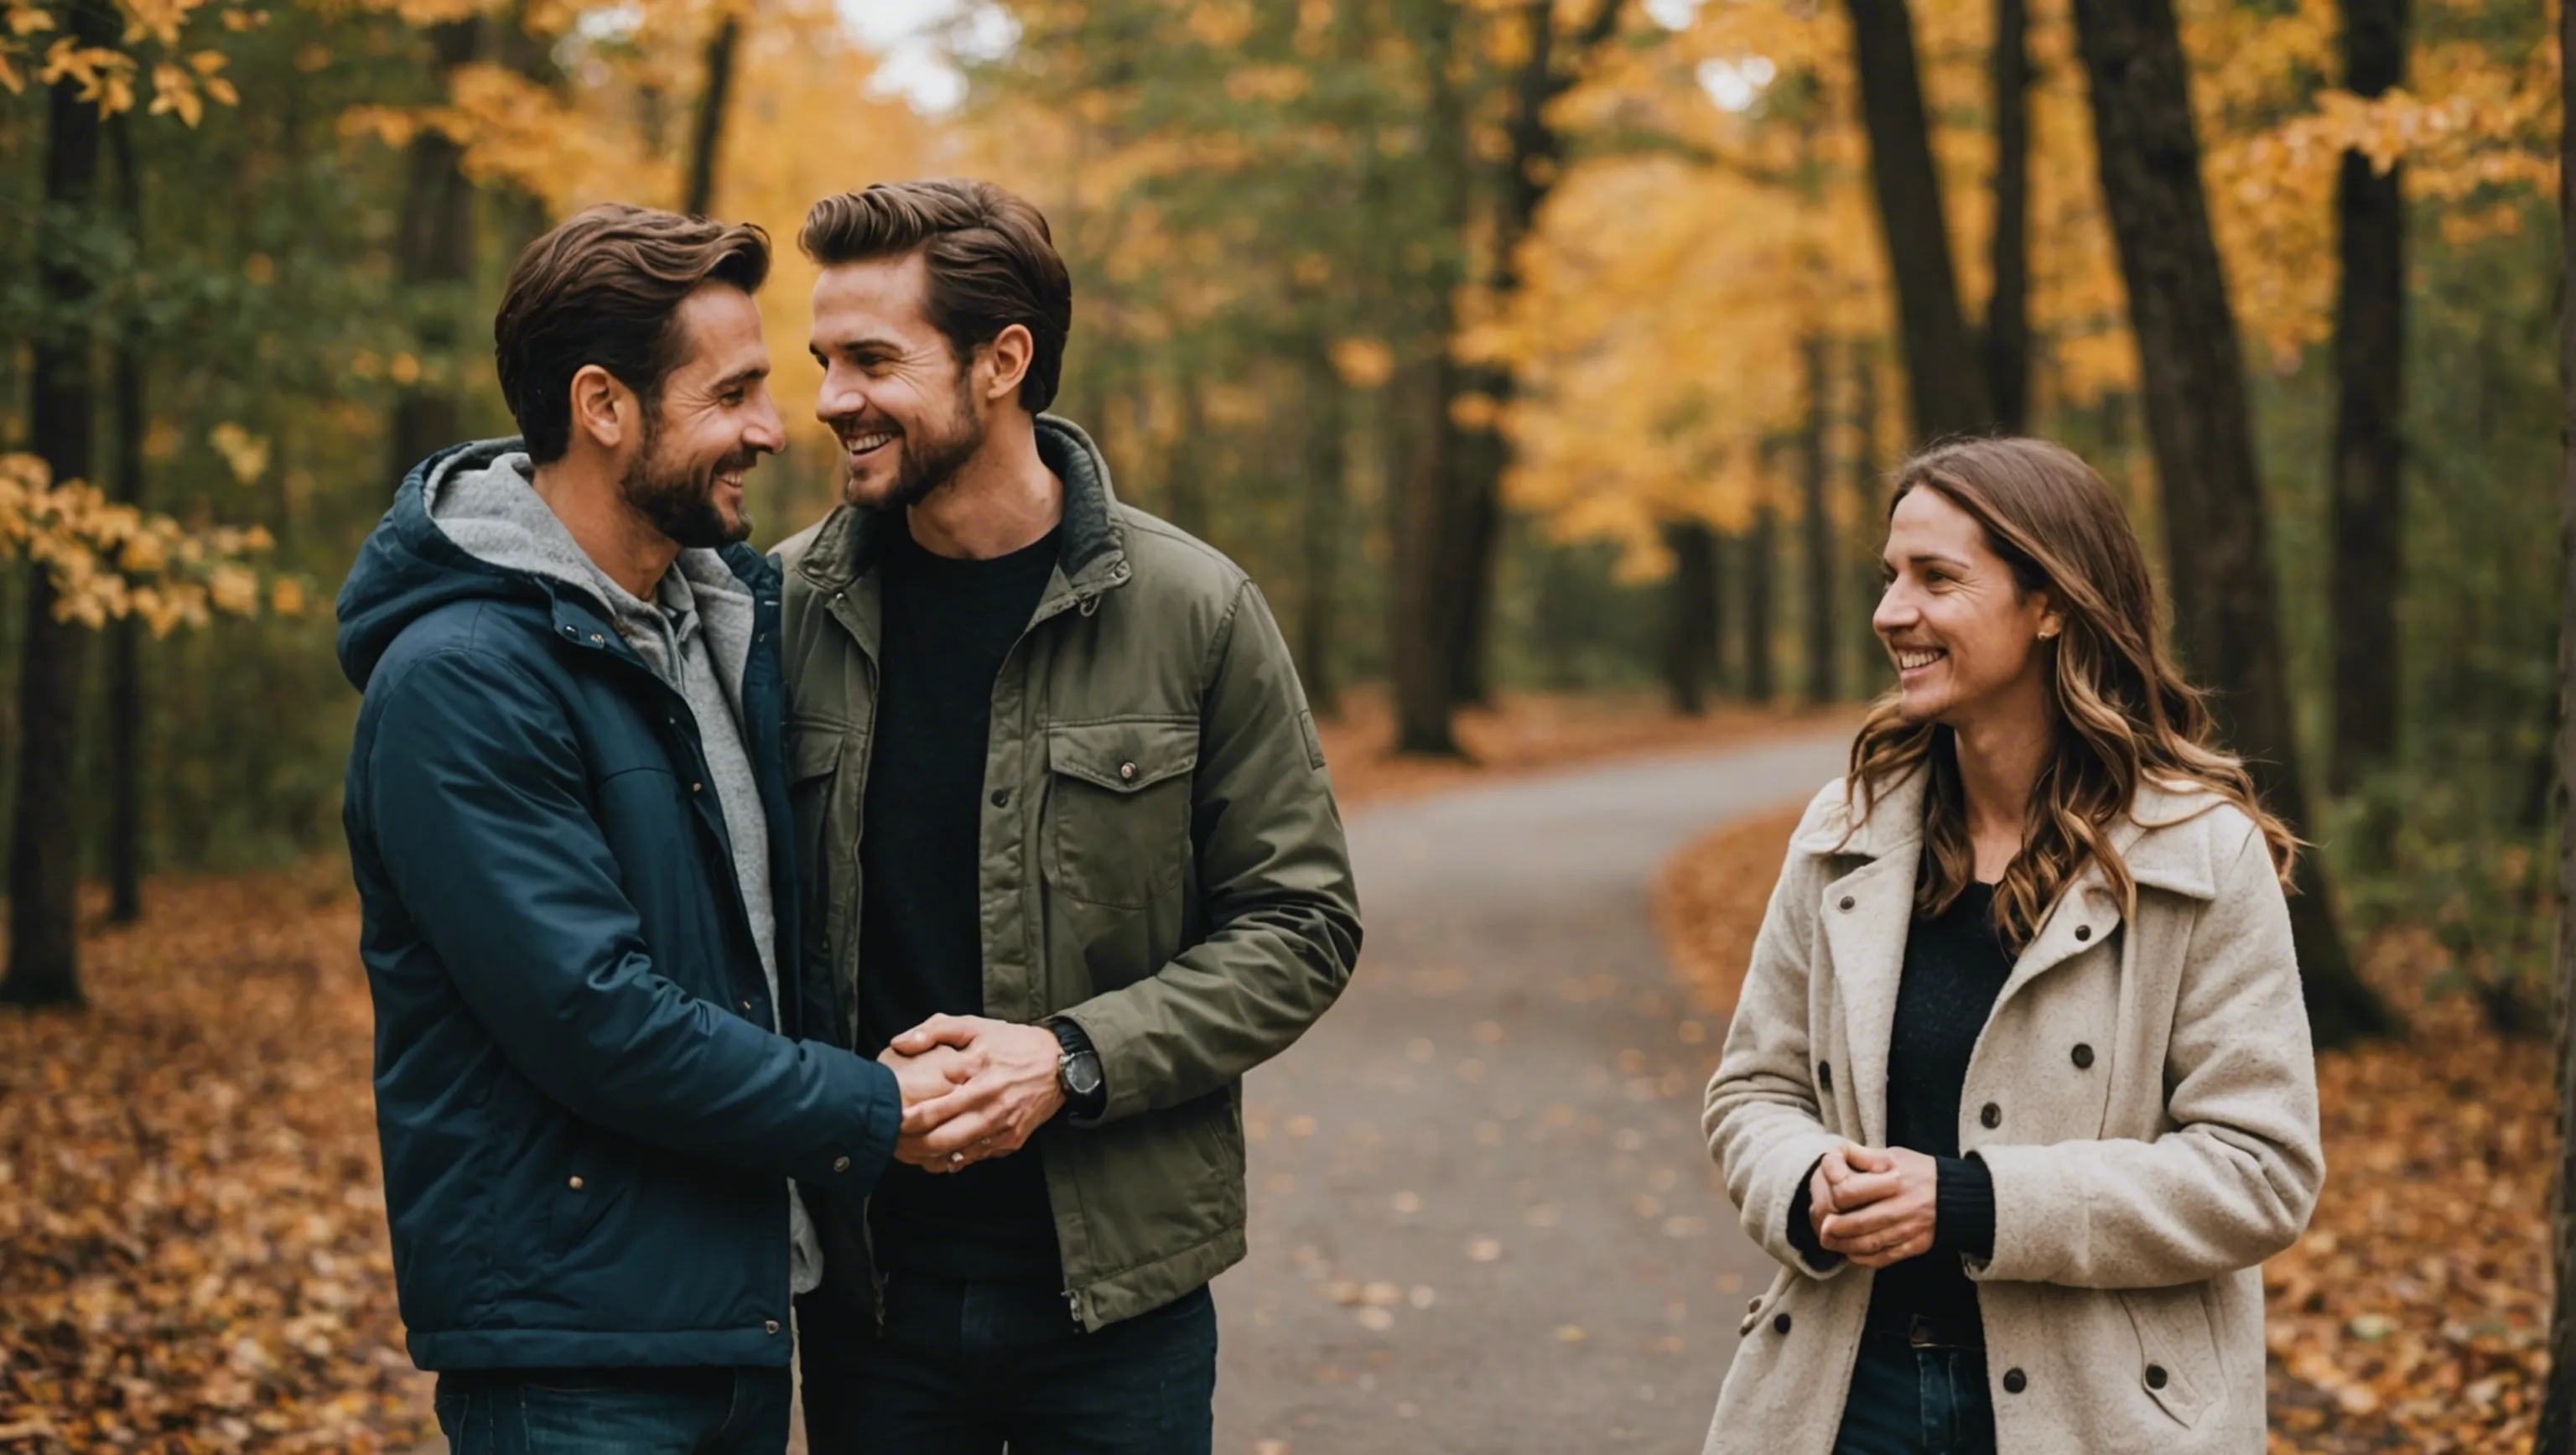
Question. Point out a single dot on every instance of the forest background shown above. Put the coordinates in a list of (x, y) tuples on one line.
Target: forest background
[(1510, 344)]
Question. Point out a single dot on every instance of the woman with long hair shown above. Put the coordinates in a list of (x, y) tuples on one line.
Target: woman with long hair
[(2019, 1092)]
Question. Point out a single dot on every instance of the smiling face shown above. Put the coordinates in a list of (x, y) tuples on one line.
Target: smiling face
[(1963, 634), (715, 421), (900, 400)]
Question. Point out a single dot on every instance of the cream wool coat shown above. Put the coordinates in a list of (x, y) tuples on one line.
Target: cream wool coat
[(2144, 1094)]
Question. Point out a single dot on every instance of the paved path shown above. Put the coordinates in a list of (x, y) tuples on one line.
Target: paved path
[(1482, 1217)]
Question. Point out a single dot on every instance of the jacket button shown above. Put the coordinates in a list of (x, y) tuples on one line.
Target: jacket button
[(746, 1007), (1992, 1117), (1848, 901), (2083, 932), (1001, 798), (1127, 772), (2015, 1381), (2155, 1376), (1753, 1306), (770, 1325), (576, 1182), (596, 639), (2083, 1057), (697, 788), (1780, 1324), (840, 1164), (1825, 1075)]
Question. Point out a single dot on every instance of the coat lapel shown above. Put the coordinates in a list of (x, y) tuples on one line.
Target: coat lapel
[(1868, 944), (2165, 846), (1866, 914)]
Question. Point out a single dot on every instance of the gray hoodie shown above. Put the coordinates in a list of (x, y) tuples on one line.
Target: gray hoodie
[(695, 635)]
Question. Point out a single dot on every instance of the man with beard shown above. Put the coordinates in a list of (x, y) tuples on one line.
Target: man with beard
[(1064, 811), (567, 817)]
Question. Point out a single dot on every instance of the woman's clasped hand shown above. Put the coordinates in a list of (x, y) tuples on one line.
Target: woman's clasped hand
[(1874, 1205)]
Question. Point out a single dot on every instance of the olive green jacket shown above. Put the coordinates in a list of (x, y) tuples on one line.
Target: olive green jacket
[(1162, 860)]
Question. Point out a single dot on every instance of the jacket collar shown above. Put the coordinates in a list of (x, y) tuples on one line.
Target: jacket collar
[(1091, 556), (1868, 912), (2162, 840)]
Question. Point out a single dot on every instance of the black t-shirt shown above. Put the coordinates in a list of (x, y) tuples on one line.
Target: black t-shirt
[(949, 624)]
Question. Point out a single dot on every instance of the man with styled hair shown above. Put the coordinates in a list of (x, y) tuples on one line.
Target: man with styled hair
[(568, 821), (1065, 815)]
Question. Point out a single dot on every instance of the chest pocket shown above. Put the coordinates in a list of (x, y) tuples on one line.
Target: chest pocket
[(1118, 805)]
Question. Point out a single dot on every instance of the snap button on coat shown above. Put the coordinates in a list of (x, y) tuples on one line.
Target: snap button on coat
[(1992, 1117), (2155, 1376), (575, 1183), (2083, 1057), (1780, 1324), (2083, 932), (2015, 1381)]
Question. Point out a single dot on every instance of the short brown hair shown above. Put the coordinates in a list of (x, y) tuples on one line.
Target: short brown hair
[(602, 289), (992, 263)]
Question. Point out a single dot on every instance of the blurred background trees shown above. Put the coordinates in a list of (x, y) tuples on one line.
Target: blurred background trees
[(1510, 344)]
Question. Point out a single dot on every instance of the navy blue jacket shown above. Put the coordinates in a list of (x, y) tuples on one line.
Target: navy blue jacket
[(587, 1123)]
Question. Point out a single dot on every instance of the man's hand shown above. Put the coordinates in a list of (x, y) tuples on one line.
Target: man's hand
[(1012, 1090), (927, 1076), (1885, 1206)]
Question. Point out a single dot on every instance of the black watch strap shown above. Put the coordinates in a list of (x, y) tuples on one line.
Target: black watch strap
[(1085, 1105)]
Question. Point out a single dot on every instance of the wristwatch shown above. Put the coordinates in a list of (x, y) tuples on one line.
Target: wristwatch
[(1077, 1070)]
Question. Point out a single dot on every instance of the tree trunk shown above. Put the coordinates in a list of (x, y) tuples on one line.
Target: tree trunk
[(125, 636), (1422, 645), (1761, 552), (1824, 561), (2007, 340), (2198, 423), (1424, 591), (434, 261), (45, 850), (1690, 624), (1476, 455), (1869, 493), (706, 139), (2557, 1432), (1327, 495), (2370, 350), (1944, 386)]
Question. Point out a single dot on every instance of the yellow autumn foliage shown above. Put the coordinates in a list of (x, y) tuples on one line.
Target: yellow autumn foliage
[(1670, 289), (109, 561)]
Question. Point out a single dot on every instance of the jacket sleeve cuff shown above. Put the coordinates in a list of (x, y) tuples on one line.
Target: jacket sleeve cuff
[(2041, 1224), (853, 1170), (1963, 1207), (1802, 1228)]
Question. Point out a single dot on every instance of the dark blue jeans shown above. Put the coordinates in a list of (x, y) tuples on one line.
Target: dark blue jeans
[(968, 1368), (1910, 1401), (616, 1411)]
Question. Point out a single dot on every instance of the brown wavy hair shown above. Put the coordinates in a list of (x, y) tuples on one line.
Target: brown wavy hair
[(2121, 711)]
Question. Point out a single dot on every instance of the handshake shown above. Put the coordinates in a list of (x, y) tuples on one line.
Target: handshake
[(972, 1088)]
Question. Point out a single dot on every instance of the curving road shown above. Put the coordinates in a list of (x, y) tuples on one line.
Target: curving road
[(1482, 1217)]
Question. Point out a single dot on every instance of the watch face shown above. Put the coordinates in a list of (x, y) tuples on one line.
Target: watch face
[(1082, 1074)]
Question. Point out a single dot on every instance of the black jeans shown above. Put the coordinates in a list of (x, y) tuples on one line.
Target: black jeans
[(615, 1411), (1910, 1401), (968, 1368)]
